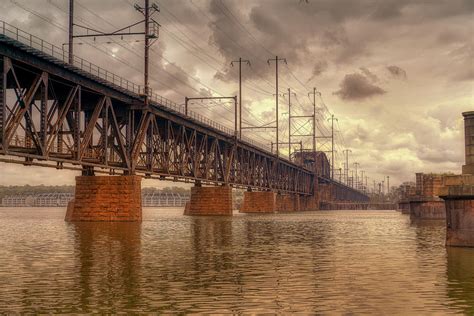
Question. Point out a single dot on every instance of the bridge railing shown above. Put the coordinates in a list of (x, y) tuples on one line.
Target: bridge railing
[(63, 55), (86, 66), (201, 118)]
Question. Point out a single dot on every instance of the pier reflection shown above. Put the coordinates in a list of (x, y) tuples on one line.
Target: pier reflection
[(108, 263), (209, 233), (429, 232), (460, 273)]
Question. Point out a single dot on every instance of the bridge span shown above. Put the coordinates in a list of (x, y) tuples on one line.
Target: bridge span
[(81, 117)]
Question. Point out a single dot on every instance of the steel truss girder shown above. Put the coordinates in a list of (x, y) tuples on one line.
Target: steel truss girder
[(47, 117)]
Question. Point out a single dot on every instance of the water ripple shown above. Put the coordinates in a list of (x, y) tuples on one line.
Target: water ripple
[(325, 262)]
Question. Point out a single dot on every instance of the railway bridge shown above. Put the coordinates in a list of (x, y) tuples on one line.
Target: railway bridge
[(80, 116)]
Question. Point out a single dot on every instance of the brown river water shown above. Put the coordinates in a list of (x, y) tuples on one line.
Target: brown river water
[(349, 262)]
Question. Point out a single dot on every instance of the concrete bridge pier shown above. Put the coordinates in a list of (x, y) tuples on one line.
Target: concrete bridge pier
[(210, 200), (106, 199), (458, 192)]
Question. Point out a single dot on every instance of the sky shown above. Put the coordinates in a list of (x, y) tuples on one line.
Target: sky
[(396, 74)]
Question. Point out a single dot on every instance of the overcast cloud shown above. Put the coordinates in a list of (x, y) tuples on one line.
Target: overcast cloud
[(396, 73)]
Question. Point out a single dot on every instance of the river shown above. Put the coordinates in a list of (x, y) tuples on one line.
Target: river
[(374, 262)]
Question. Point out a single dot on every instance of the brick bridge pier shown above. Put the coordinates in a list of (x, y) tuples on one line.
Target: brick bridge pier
[(218, 201), (106, 198), (426, 204), (458, 193)]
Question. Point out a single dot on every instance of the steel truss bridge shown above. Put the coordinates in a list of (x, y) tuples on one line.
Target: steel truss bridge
[(82, 117)]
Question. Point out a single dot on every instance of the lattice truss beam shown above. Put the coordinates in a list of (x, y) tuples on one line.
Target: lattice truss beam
[(44, 117)]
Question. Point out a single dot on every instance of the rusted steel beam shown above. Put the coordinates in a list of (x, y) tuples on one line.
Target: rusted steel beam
[(158, 143)]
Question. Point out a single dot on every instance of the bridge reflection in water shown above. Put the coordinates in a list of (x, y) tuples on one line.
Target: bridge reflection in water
[(335, 261), (108, 261)]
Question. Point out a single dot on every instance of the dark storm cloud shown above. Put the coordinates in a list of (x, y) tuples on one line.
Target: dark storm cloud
[(465, 75), (397, 72), (333, 37), (357, 87), (391, 9), (370, 75), (442, 9), (318, 69), (180, 79), (287, 28), (229, 36), (450, 36), (388, 9)]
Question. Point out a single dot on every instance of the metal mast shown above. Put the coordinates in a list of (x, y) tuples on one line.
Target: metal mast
[(149, 35), (71, 31), (276, 60), (356, 164), (289, 121), (388, 184), (332, 144), (314, 116), (240, 61), (347, 151), (147, 49)]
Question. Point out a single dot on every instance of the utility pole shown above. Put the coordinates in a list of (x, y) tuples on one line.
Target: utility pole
[(388, 184), (240, 61), (332, 143), (276, 60), (71, 31), (352, 178), (347, 151), (289, 121), (314, 116), (362, 179), (147, 49), (356, 164), (147, 11)]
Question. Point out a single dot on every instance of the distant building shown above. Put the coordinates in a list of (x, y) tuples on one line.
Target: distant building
[(21, 200), (52, 199), (55, 199), (164, 199)]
